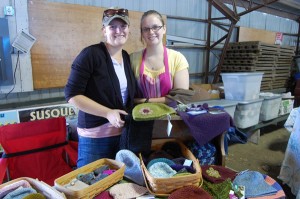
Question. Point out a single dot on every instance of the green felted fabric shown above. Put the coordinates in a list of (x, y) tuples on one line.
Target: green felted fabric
[(35, 196), (218, 191), (151, 111)]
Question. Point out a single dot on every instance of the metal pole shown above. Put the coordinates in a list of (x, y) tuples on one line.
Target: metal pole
[(208, 43), (218, 70), (297, 45)]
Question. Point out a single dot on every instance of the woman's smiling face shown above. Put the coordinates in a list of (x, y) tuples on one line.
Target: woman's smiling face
[(116, 32), (152, 30)]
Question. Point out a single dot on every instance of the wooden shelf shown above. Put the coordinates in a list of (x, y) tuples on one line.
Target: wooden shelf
[(262, 124), (253, 132)]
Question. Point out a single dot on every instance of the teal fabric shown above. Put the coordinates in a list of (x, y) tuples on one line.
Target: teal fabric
[(165, 160), (161, 170), (19, 193)]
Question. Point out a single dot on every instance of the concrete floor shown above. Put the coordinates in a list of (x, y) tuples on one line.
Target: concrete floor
[(265, 157)]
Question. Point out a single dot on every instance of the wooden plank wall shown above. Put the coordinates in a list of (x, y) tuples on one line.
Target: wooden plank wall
[(62, 31), (251, 34)]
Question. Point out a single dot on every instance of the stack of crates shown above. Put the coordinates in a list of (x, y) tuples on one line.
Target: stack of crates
[(273, 60)]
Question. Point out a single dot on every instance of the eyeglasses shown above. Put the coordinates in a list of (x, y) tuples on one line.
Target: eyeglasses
[(112, 12), (153, 28)]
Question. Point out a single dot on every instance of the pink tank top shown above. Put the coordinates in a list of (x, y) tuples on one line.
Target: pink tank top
[(158, 86)]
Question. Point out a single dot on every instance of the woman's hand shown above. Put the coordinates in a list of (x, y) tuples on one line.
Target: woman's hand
[(114, 117)]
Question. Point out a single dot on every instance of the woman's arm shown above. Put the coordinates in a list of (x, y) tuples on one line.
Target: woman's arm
[(182, 79), (153, 100), (89, 106)]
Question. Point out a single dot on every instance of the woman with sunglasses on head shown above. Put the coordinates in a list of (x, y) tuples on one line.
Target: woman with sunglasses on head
[(102, 86), (157, 70)]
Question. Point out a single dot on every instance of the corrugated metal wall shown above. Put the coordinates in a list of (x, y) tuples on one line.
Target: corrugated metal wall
[(194, 30)]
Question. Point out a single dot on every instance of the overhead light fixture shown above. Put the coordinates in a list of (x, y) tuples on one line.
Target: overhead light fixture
[(23, 42)]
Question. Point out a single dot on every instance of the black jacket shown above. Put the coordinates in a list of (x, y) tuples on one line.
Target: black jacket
[(93, 75)]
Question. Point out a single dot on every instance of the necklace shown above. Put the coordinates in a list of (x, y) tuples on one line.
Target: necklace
[(155, 64)]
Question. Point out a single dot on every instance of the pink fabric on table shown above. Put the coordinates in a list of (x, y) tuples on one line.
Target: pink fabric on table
[(104, 195), (108, 172)]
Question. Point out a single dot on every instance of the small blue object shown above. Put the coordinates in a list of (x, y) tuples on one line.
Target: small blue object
[(297, 76), (9, 11), (219, 107)]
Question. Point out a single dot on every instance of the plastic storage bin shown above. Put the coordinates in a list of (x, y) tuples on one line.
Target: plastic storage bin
[(270, 106), (247, 113), (228, 105), (242, 86)]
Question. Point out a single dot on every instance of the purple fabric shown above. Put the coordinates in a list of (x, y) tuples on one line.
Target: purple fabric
[(205, 127), (179, 160), (178, 167)]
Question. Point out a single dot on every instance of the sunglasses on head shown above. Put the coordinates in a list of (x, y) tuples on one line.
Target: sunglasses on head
[(113, 12)]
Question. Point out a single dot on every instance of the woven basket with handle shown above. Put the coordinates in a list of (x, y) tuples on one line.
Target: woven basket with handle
[(165, 186)]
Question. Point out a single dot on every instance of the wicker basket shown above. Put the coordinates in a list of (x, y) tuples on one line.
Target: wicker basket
[(164, 186), (41, 187), (96, 188)]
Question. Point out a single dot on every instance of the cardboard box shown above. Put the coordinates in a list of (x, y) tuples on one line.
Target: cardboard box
[(205, 91)]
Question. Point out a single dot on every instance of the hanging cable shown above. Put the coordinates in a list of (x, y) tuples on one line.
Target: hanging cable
[(17, 64)]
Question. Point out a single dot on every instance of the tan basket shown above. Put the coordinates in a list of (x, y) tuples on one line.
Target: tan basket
[(41, 187), (94, 189), (164, 186)]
